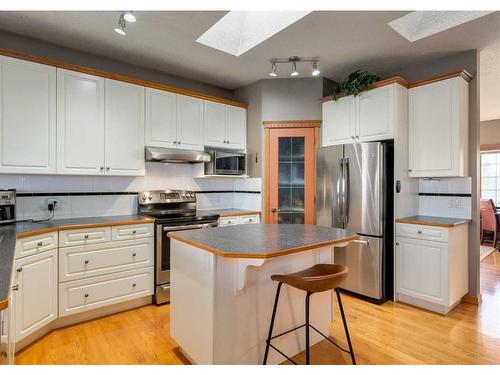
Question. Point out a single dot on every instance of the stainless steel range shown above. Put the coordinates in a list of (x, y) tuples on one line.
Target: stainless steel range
[(172, 210)]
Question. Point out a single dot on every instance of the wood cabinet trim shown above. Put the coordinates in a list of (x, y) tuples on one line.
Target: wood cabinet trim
[(397, 79), (4, 304), (239, 213), (433, 223), (292, 124), (83, 226), (117, 77), (492, 147)]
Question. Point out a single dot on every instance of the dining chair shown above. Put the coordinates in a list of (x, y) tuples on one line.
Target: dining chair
[(488, 220)]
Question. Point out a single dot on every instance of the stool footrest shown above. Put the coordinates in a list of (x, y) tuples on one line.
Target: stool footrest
[(329, 339)]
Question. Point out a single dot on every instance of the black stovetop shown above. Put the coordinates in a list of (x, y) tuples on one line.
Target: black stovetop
[(180, 218)]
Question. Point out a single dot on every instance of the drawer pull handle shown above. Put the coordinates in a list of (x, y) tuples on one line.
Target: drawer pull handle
[(39, 243), (134, 231), (15, 287), (86, 262), (86, 295), (133, 285), (134, 254), (86, 236), (419, 232), (20, 269), (397, 243)]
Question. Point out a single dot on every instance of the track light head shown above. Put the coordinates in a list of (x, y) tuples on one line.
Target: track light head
[(274, 72), (129, 16), (294, 72), (315, 70), (120, 28)]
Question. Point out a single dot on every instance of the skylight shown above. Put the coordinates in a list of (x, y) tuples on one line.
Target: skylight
[(240, 31), (421, 24)]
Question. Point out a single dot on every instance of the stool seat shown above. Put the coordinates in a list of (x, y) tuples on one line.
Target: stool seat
[(318, 278)]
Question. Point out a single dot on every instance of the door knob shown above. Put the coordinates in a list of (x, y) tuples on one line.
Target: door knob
[(274, 209)]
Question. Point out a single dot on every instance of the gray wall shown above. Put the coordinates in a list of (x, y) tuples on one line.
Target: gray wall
[(490, 132), (468, 60), (52, 51)]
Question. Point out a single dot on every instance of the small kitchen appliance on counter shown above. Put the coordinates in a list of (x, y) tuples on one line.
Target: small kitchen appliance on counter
[(7, 206)]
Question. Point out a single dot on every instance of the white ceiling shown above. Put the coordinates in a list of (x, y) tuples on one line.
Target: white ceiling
[(343, 41)]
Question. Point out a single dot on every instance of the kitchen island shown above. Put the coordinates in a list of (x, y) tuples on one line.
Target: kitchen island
[(222, 295)]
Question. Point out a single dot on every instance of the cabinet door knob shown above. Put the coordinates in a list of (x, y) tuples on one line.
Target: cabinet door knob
[(134, 285), (134, 254), (86, 262), (86, 295), (397, 243), (134, 232), (410, 170), (15, 287), (20, 269), (101, 168), (107, 168), (39, 243), (419, 231), (86, 236)]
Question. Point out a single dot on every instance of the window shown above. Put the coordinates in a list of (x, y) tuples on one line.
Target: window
[(490, 176)]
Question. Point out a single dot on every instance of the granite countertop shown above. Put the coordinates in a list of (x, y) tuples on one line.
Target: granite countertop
[(9, 233), (223, 212), (263, 240), (435, 221)]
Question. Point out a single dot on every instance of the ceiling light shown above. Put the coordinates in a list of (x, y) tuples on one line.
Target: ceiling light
[(240, 31), (315, 70), (294, 72), (129, 16), (421, 24), (120, 28), (274, 72)]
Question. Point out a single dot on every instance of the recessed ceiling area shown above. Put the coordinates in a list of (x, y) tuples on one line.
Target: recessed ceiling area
[(343, 41)]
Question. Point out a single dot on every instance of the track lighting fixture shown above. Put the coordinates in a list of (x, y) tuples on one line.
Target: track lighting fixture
[(294, 60), (122, 22), (274, 72)]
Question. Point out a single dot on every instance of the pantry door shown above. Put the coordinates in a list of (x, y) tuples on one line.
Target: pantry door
[(291, 177)]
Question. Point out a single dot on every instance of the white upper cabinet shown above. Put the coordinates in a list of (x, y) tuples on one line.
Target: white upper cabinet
[(80, 123), (370, 116), (27, 117), (214, 124), (339, 121), (161, 118), (236, 128), (189, 123), (124, 129), (225, 126), (438, 126)]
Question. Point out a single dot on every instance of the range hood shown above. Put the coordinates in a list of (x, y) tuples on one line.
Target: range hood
[(174, 155)]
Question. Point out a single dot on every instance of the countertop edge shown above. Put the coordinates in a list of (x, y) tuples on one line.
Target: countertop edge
[(4, 304), (432, 223), (239, 213), (291, 250), (84, 226)]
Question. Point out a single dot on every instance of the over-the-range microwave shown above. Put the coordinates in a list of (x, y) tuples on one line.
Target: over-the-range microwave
[(223, 162)]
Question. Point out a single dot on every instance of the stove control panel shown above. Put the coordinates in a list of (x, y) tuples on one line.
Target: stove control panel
[(166, 196)]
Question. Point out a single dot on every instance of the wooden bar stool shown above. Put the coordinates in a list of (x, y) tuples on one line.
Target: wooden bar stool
[(318, 278)]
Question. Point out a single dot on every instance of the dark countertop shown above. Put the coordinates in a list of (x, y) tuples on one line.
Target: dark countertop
[(434, 221), (223, 212), (262, 240), (9, 233)]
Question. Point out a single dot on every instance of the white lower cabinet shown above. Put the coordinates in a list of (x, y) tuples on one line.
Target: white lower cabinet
[(86, 294), (236, 220), (431, 266), (36, 295)]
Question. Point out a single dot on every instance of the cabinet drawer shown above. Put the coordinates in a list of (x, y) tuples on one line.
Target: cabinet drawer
[(229, 220), (250, 219), (82, 295), (423, 232), (93, 260), (129, 232), (88, 236), (35, 244)]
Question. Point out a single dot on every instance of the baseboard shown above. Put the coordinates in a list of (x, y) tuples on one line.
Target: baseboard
[(82, 317), (473, 300)]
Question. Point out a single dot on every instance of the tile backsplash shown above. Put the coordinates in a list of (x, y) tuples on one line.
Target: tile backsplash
[(445, 197), (83, 196)]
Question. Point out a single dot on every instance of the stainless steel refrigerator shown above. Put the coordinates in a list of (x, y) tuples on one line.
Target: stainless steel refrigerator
[(355, 192)]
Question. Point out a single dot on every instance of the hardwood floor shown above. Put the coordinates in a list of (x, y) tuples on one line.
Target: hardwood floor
[(393, 333)]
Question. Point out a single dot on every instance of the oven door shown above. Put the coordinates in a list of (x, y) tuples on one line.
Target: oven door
[(163, 247), (230, 163)]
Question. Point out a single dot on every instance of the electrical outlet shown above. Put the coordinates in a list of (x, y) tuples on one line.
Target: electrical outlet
[(458, 203), (51, 205), (451, 203)]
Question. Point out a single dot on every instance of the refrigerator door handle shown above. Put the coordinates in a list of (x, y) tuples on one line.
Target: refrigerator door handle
[(339, 213), (346, 194)]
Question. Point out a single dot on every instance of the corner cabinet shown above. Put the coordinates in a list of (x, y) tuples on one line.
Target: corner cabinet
[(124, 129), (27, 117), (173, 120), (224, 126), (370, 116), (438, 129), (100, 126)]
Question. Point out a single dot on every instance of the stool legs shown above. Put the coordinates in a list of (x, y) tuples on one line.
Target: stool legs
[(275, 307), (351, 351), (308, 354)]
